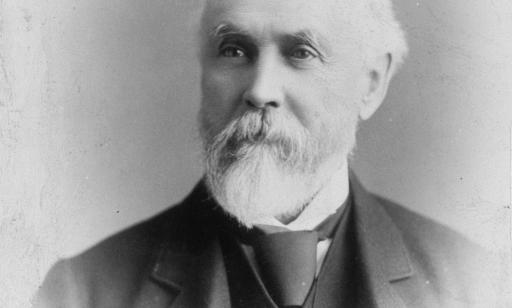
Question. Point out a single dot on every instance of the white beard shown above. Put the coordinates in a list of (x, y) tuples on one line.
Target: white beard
[(257, 188), (262, 165)]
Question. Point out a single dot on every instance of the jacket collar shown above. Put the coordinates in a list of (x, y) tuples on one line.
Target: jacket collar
[(189, 268), (383, 252)]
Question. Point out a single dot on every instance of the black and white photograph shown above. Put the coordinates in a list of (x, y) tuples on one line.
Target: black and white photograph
[(255, 153)]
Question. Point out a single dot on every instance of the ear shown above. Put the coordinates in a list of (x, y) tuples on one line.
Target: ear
[(378, 75)]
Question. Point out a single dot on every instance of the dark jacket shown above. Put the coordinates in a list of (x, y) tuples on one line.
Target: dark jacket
[(175, 260)]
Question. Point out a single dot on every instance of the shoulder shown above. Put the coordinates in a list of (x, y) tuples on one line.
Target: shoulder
[(108, 266), (114, 266), (419, 231), (447, 259)]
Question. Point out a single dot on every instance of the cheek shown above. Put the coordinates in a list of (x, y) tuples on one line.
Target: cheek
[(306, 103), (328, 107), (341, 115), (323, 103), (342, 96), (220, 96)]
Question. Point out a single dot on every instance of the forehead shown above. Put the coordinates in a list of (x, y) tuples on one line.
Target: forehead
[(277, 16)]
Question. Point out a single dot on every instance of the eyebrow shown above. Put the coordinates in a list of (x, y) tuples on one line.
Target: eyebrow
[(306, 37), (224, 30)]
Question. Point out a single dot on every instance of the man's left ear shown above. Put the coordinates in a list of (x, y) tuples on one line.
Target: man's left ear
[(378, 76)]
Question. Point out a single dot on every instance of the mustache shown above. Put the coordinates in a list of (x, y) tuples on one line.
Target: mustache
[(284, 137), (256, 127), (262, 127)]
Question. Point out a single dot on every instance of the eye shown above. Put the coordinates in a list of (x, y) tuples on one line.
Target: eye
[(303, 53), (232, 52)]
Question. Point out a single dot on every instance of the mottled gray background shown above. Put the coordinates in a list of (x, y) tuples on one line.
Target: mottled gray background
[(98, 103)]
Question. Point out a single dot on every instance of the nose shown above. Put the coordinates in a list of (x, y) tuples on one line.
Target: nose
[(265, 88)]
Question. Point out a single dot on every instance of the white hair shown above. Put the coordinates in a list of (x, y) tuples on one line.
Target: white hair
[(384, 33)]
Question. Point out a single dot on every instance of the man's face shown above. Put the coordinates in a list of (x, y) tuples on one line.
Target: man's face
[(283, 76), (294, 57)]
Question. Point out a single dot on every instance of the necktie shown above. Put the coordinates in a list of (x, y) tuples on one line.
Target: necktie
[(287, 260), (287, 263)]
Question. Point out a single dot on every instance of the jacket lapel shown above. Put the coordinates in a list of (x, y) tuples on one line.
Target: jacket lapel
[(383, 253), (188, 280), (188, 270)]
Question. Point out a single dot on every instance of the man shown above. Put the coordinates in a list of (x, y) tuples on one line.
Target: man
[(279, 220)]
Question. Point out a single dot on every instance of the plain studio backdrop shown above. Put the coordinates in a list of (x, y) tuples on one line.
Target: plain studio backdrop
[(98, 103)]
